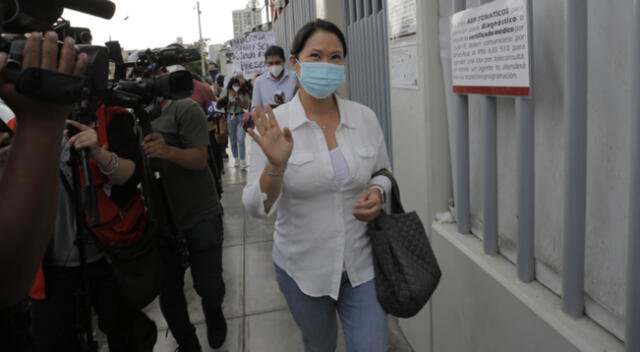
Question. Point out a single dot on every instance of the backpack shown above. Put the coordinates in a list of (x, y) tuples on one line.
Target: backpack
[(131, 245)]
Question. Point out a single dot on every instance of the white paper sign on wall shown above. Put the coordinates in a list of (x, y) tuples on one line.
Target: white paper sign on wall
[(403, 65), (490, 49), (403, 20)]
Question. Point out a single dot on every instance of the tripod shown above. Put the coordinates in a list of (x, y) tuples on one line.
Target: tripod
[(86, 209)]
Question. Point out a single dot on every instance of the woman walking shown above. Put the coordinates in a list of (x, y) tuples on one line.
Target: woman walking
[(239, 103), (312, 163)]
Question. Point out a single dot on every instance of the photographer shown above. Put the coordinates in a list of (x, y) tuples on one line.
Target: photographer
[(29, 185), (179, 143), (56, 319)]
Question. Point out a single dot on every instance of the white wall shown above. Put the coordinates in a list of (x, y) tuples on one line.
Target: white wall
[(420, 144), (608, 153), (481, 305)]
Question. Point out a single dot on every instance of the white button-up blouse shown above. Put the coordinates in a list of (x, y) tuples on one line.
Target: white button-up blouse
[(316, 236)]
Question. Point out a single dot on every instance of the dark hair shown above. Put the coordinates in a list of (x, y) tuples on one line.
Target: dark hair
[(274, 50), (220, 80), (243, 87), (309, 29), (232, 81)]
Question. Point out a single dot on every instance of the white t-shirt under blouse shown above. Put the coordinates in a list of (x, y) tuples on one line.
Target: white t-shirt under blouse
[(340, 166), (316, 236)]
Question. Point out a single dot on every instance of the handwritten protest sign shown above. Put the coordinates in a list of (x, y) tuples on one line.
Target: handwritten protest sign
[(248, 52)]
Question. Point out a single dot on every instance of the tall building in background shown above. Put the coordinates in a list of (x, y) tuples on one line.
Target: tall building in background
[(245, 20)]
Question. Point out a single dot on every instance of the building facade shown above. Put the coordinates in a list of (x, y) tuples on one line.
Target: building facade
[(245, 20)]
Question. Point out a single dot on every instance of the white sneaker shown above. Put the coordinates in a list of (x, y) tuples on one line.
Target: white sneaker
[(236, 163), (243, 164)]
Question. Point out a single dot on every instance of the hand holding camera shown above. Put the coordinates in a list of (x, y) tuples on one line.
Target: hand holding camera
[(41, 53)]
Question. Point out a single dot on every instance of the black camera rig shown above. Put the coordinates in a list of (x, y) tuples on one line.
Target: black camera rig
[(18, 17)]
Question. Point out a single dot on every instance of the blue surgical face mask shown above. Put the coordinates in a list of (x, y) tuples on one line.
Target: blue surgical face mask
[(320, 79)]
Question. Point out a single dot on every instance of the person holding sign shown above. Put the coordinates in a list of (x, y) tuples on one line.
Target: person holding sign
[(312, 163), (277, 86)]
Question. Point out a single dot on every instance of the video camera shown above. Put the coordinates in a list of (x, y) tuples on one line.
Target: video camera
[(130, 92), (152, 59), (81, 35), (21, 16)]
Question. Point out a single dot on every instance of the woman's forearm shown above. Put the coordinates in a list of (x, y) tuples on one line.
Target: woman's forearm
[(271, 184), (121, 174)]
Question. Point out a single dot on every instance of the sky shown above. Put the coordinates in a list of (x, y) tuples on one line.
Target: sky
[(157, 23)]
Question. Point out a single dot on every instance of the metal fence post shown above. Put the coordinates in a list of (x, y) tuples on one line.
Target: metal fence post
[(490, 180), (461, 113), (575, 94), (525, 127), (490, 175), (633, 278)]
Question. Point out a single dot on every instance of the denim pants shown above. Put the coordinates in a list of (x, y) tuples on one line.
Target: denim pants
[(204, 241), (363, 320), (236, 135)]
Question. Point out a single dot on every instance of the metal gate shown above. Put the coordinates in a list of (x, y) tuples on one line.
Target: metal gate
[(295, 15), (367, 60)]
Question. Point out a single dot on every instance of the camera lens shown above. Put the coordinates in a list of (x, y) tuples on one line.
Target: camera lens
[(85, 37)]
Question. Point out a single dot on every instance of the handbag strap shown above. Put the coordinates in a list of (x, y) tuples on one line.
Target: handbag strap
[(396, 205)]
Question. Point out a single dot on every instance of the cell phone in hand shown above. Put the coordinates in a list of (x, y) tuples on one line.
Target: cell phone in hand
[(247, 123)]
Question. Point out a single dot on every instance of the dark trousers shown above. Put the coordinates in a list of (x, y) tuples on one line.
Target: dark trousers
[(14, 328), (204, 241), (54, 318)]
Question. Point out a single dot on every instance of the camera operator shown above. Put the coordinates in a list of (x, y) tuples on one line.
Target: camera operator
[(204, 95), (55, 319), (180, 143), (29, 186)]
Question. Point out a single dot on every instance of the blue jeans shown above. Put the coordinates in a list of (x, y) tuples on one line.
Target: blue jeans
[(363, 320), (236, 135)]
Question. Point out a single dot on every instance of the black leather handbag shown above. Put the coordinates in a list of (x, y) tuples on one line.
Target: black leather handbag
[(406, 269)]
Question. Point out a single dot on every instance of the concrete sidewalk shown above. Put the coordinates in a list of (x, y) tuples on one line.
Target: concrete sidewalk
[(257, 314)]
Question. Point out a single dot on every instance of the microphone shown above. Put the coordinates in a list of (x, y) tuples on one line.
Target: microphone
[(99, 8)]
